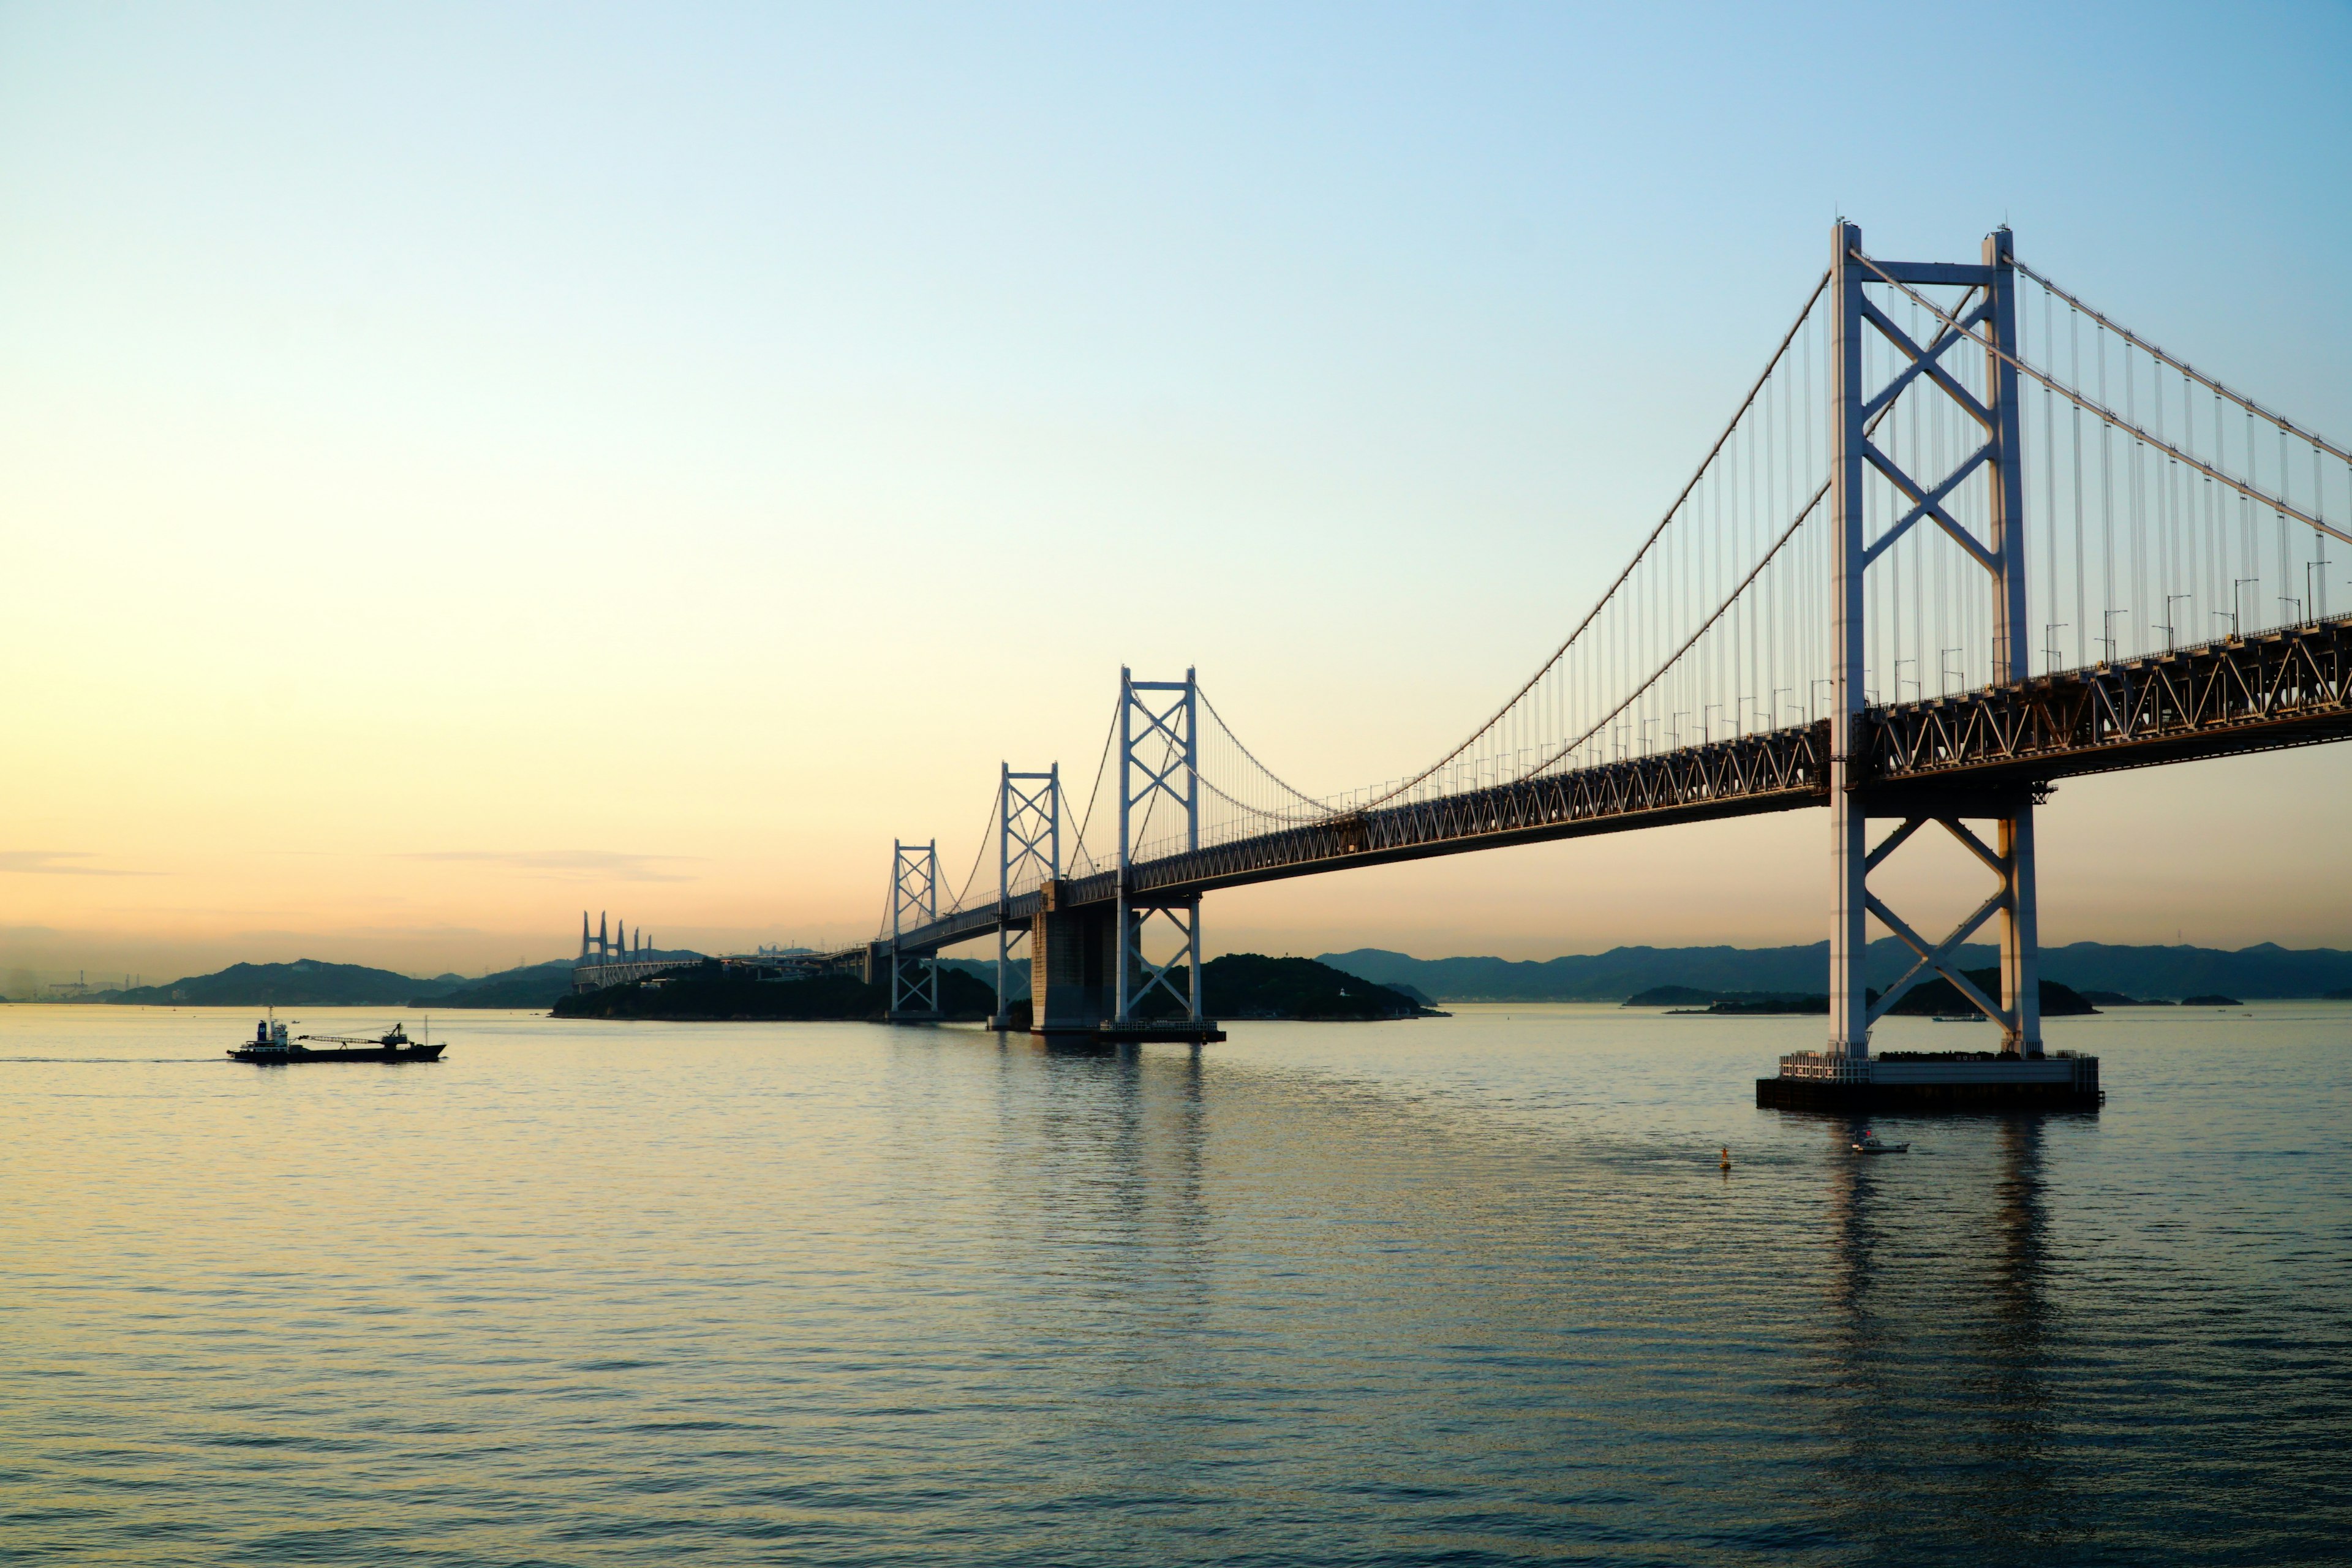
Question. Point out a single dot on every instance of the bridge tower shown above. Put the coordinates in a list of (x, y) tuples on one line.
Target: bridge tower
[(1159, 770), (1028, 837), (1089, 975), (1989, 307), (914, 903)]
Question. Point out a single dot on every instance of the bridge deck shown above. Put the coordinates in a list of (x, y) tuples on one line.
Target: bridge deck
[(2276, 690)]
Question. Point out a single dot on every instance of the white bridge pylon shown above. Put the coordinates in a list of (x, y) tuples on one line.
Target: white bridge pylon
[(1996, 463), (914, 903), (1159, 763), (1028, 842)]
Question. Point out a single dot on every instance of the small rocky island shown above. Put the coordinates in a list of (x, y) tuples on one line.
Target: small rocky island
[(1929, 998), (1243, 986)]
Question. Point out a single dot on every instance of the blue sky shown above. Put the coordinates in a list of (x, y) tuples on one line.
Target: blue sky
[(709, 437)]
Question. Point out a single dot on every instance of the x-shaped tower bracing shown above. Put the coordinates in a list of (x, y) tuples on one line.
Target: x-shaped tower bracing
[(1159, 764), (1986, 318), (914, 903), (1028, 853)]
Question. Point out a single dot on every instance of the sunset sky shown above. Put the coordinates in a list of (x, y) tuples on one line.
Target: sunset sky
[(464, 464)]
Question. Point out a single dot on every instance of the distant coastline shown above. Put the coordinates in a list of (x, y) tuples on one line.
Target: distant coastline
[(1700, 975), (1934, 996), (313, 982), (1235, 986), (2104, 974)]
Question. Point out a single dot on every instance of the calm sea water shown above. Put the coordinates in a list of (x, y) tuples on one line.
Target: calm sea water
[(1451, 1291)]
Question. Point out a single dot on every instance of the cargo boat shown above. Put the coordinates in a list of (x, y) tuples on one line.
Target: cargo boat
[(271, 1045)]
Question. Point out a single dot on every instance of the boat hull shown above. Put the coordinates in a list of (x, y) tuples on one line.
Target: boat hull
[(267, 1058)]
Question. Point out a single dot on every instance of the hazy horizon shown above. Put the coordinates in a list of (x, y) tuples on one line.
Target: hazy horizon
[(19, 980)]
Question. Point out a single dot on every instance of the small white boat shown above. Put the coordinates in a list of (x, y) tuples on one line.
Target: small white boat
[(1871, 1144)]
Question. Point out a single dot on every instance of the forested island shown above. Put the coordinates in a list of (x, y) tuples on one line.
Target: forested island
[(314, 982), (1367, 984), (1240, 985), (1929, 998)]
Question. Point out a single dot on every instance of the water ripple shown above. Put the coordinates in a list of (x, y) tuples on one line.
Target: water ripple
[(1464, 1291)]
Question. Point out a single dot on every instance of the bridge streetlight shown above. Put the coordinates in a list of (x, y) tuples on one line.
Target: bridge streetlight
[(2237, 627), (2170, 640), (2108, 632), (1951, 680)]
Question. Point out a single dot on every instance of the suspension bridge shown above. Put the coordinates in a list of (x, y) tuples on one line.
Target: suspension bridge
[(1964, 536)]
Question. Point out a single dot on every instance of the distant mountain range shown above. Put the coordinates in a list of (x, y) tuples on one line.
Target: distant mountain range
[(536, 985), (312, 983), (2266, 970), (1016, 973), (304, 983)]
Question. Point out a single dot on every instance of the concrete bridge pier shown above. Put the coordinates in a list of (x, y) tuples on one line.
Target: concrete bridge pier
[(1073, 992), (1073, 966)]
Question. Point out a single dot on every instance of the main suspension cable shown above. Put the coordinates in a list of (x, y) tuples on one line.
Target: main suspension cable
[(1108, 736), (2110, 416), (2248, 404), (1547, 666), (1245, 751)]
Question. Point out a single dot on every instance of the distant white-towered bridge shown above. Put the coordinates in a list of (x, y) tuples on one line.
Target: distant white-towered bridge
[(1963, 537)]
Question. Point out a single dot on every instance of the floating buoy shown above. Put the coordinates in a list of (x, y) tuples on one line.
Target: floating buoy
[(1727, 1158)]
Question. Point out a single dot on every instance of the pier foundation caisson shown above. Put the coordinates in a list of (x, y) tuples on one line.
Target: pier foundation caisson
[(1933, 1081), (1073, 989)]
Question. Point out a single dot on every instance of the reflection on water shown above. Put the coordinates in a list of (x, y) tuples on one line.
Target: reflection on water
[(1939, 1359), (1458, 1290)]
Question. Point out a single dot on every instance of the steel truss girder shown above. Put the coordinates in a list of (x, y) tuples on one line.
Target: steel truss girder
[(1773, 771), (2285, 689), (2238, 694), (1722, 778)]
